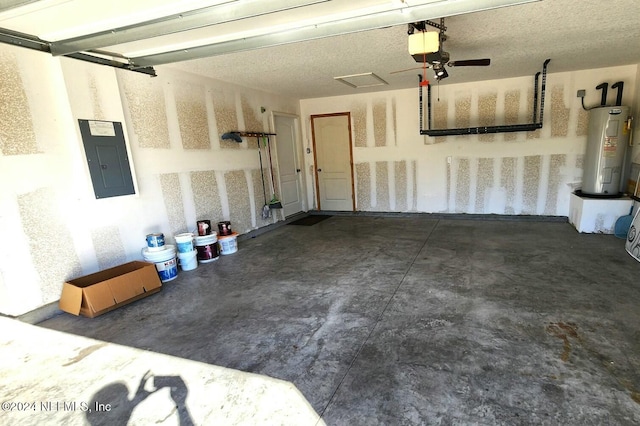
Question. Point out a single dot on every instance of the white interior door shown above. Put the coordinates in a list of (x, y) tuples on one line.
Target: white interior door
[(334, 171), (288, 164)]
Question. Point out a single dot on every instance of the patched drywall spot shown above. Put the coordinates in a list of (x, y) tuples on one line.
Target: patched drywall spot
[(508, 182), (484, 182), (463, 113), (394, 108), (239, 201), (449, 182), (414, 167), (487, 115), (559, 113), (108, 246), (536, 133), (252, 121), (17, 136), (463, 183), (50, 242), (532, 169), (380, 122), (557, 163), (191, 107), (382, 186), (95, 99), (206, 196), (582, 126), (511, 112), (226, 119), (147, 108), (259, 195), (359, 117), (440, 121), (401, 185), (363, 178), (172, 195)]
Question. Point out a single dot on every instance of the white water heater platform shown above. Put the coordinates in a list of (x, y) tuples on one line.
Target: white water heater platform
[(597, 215)]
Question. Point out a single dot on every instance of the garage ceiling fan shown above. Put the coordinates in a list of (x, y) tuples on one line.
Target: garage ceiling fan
[(426, 47)]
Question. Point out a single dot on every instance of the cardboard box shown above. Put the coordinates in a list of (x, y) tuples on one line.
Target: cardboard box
[(104, 291)]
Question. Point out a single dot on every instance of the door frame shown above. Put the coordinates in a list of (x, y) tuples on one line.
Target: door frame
[(299, 155), (315, 158)]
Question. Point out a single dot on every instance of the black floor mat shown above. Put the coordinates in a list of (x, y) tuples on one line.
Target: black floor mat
[(310, 220)]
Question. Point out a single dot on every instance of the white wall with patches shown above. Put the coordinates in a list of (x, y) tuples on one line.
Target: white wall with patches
[(636, 122), (54, 229), (53, 226), (525, 173)]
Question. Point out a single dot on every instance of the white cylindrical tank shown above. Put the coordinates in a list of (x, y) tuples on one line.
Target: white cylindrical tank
[(606, 145)]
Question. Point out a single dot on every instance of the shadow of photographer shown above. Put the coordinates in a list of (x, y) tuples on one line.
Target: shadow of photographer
[(111, 404)]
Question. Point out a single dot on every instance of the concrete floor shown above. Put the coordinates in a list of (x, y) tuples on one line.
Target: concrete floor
[(411, 320)]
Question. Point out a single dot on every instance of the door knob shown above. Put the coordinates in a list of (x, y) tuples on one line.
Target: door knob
[(319, 170), (297, 170)]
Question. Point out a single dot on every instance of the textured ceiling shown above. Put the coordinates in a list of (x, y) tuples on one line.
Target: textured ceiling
[(574, 34)]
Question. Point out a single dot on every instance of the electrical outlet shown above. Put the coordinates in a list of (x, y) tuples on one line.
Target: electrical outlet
[(582, 93)]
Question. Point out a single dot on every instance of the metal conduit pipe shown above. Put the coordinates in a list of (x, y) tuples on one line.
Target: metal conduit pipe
[(528, 127)]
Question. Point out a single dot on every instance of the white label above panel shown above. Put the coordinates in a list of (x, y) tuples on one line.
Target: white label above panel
[(101, 128)]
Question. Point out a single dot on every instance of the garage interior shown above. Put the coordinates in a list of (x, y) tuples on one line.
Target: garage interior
[(459, 279)]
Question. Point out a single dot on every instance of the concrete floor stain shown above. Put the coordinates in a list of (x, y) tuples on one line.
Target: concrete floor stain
[(563, 331), (84, 353)]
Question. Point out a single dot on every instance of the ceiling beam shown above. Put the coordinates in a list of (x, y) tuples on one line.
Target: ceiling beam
[(190, 20), (406, 15)]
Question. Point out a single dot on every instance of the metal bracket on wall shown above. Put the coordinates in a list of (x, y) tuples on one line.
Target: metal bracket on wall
[(528, 127), (249, 134), (28, 41), (237, 135)]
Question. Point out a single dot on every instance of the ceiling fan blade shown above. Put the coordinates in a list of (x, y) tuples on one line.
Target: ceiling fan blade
[(408, 69), (471, 63)]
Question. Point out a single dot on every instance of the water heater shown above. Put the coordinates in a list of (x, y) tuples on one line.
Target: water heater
[(606, 146)]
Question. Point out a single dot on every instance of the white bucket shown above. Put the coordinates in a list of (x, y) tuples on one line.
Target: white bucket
[(228, 244), (207, 247), (202, 240), (188, 261), (165, 261), (184, 242)]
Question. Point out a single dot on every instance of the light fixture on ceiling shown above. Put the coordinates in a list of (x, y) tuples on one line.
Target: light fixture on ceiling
[(440, 71), (362, 80)]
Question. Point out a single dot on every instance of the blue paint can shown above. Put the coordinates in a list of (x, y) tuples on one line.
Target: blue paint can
[(155, 242)]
